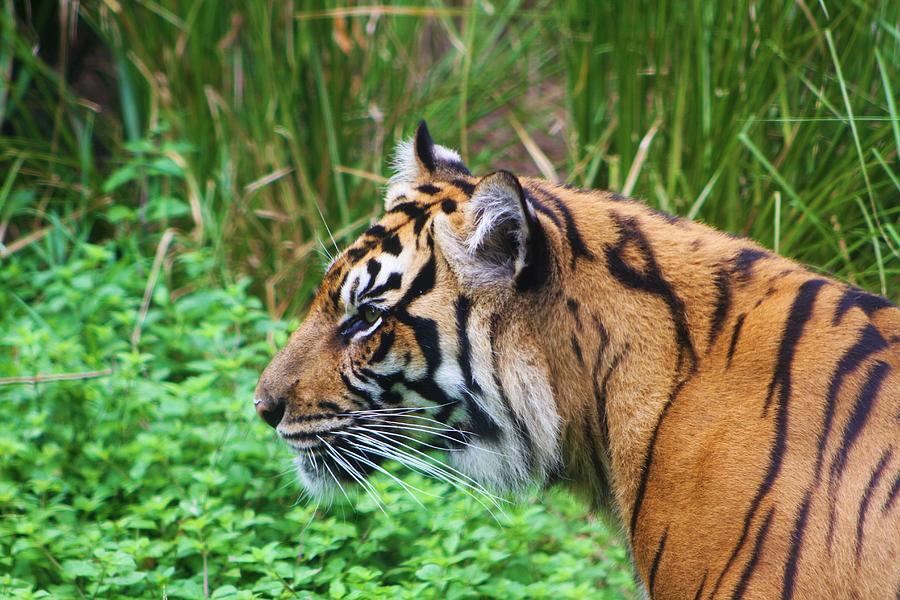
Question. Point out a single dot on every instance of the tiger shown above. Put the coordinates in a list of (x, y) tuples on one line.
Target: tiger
[(736, 414)]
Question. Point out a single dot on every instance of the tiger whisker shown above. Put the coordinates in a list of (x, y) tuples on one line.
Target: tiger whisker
[(336, 480), (433, 470), (426, 444), (399, 408), (407, 487), (443, 428), (439, 433), (451, 470), (356, 475)]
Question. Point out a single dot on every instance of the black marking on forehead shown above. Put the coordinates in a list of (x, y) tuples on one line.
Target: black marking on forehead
[(376, 231), (393, 282), (354, 254), (427, 188), (467, 188), (410, 209), (423, 282), (373, 268), (391, 244), (415, 211)]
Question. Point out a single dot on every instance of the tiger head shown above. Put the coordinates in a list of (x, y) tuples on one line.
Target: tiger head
[(411, 336)]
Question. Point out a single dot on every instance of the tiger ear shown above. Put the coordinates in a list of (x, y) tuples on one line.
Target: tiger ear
[(420, 158), (504, 243), (423, 147)]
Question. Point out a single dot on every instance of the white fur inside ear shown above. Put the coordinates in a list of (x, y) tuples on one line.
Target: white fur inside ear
[(442, 154), (495, 210), (493, 250)]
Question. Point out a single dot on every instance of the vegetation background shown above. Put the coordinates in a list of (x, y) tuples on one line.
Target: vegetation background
[(167, 170)]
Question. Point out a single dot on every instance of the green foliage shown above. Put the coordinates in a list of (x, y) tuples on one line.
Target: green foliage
[(159, 479), (762, 118)]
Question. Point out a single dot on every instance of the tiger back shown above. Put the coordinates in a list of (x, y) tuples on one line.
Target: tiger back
[(735, 413)]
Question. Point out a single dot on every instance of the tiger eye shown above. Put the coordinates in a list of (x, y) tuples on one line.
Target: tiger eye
[(370, 314)]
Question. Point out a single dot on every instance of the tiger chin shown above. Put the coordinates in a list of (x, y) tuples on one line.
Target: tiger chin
[(735, 413)]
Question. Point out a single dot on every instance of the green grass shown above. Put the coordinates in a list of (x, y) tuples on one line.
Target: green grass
[(167, 170)]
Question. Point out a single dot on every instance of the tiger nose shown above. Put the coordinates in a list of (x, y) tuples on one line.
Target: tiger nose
[(270, 409)]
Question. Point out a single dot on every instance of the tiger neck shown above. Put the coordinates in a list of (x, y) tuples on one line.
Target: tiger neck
[(637, 315)]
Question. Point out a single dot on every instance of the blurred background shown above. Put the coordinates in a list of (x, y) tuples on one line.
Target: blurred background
[(172, 174)]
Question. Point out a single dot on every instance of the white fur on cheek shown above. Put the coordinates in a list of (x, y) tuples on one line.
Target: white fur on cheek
[(504, 464)]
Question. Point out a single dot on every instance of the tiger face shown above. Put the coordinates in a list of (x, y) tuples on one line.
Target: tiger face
[(405, 332)]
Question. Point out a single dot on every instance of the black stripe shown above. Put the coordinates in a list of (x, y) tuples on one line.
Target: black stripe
[(481, 423), (351, 293), (699, 591), (600, 394), (648, 457), (855, 297), (358, 392), (790, 567), (423, 283), (519, 426), (393, 282), (391, 244), (754, 558), (892, 495), (650, 281), (657, 558), (869, 342), (859, 416), (384, 346), (427, 188), (373, 267), (800, 313), (428, 338), (744, 261), (467, 188), (576, 241), (596, 462), (576, 347), (573, 306), (413, 210), (723, 302), (541, 208), (874, 480), (802, 305), (354, 254), (376, 230), (463, 308), (734, 338)]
